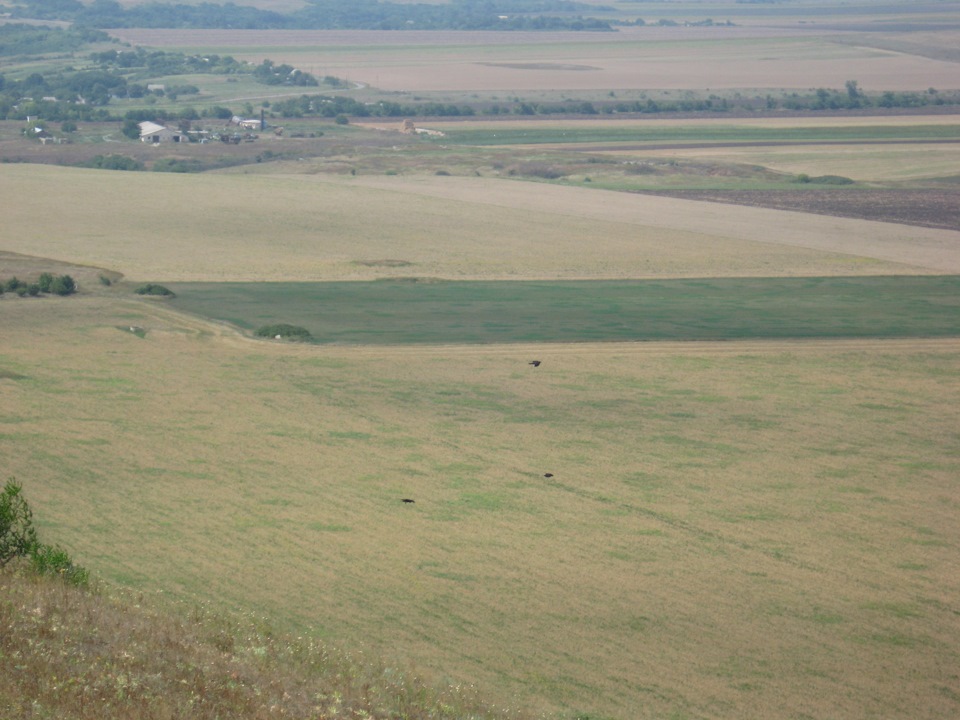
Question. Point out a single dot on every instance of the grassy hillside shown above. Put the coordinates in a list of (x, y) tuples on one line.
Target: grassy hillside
[(759, 529)]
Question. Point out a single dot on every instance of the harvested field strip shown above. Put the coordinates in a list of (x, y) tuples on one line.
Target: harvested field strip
[(410, 311), (926, 208), (702, 135)]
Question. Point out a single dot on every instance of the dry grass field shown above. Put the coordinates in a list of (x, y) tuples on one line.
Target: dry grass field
[(869, 163), (156, 227)]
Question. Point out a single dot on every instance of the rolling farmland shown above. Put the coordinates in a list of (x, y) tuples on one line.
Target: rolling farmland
[(729, 487)]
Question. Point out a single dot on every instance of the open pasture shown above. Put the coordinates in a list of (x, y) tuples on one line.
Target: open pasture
[(736, 529), (716, 59), (405, 312)]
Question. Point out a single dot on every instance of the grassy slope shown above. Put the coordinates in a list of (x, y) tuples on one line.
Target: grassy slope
[(74, 655), (766, 529)]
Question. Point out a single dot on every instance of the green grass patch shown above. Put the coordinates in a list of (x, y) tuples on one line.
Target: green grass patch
[(535, 134), (405, 312)]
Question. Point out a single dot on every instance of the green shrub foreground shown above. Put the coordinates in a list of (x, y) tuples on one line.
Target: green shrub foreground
[(18, 539)]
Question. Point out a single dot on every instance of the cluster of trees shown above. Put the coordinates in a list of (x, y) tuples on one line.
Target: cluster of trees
[(18, 539), (270, 74), (20, 39), (141, 63), (47, 283), (852, 97), (326, 14)]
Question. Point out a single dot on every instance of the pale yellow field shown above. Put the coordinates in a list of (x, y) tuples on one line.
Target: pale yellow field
[(867, 163), (634, 58), (732, 530), (653, 122), (308, 227)]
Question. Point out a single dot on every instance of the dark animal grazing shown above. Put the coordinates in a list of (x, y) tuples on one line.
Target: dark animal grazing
[(548, 474), (535, 363), (407, 500)]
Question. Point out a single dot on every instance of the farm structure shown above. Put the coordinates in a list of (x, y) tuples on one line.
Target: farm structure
[(249, 123), (155, 134)]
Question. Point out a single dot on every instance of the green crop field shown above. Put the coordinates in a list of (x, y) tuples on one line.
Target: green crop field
[(400, 312), (700, 134)]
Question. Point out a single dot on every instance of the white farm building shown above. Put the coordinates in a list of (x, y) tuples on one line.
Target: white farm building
[(155, 134)]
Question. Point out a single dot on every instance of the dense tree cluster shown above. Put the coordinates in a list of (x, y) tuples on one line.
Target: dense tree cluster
[(270, 74), (138, 63), (19, 39)]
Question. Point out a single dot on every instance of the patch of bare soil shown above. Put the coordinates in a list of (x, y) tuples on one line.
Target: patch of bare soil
[(934, 208)]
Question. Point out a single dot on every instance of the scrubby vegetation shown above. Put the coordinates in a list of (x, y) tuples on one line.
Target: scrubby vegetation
[(66, 653), (154, 289), (114, 162), (283, 331), (47, 283)]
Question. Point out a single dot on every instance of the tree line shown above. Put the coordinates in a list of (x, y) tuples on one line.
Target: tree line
[(325, 14)]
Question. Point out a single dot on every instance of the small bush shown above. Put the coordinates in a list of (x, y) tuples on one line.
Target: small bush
[(12, 284), (54, 560), (176, 166), (63, 285), (831, 180), (33, 289), (282, 331), (104, 280), (17, 536), (114, 162), (153, 289), (45, 281)]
